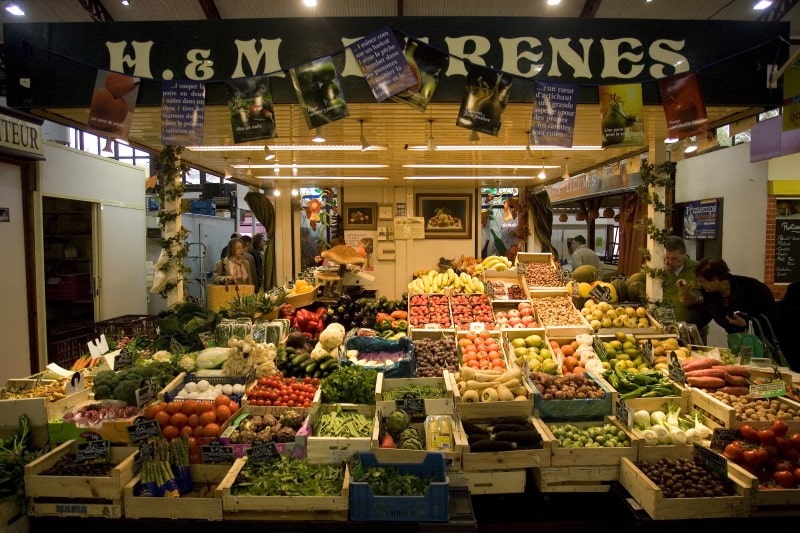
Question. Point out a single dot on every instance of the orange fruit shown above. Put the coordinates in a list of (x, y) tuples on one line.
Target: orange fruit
[(567, 350), (223, 413), (193, 420), (211, 430), (222, 399), (188, 431), (178, 420), (151, 410), (198, 431)]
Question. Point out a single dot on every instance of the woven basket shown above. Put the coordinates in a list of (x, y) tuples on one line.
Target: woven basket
[(220, 296), (302, 300)]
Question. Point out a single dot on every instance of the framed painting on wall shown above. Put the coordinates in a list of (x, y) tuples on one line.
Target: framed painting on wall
[(447, 216), (361, 216)]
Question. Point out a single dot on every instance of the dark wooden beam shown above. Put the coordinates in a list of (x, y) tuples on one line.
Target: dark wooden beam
[(590, 9), (97, 10), (777, 11), (210, 9)]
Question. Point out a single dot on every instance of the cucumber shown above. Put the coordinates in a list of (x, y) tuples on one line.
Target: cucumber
[(299, 359), (328, 364), (311, 368)]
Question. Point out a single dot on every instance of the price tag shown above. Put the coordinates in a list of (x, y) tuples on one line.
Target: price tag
[(711, 460), (646, 348), (146, 393), (412, 406), (75, 384), (722, 437), (600, 293), (676, 373), (745, 354), (432, 325), (147, 449), (263, 452), (477, 327), (142, 429), (600, 348), (123, 360), (355, 466), (93, 452), (216, 453), (772, 389), (623, 413)]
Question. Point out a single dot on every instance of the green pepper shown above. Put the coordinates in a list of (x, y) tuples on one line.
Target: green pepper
[(635, 393), (663, 390), (400, 325), (613, 380), (644, 379), (384, 325)]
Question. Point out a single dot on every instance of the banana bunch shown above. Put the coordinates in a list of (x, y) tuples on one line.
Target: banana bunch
[(494, 262), (435, 281)]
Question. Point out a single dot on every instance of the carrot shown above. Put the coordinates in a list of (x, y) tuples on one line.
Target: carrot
[(737, 370), (736, 391), (79, 364), (736, 381), (697, 364), (706, 382), (714, 372)]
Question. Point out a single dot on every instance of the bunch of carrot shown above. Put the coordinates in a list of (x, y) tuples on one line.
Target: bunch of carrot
[(85, 361)]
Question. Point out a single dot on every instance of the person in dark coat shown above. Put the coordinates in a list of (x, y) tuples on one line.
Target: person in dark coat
[(790, 309)]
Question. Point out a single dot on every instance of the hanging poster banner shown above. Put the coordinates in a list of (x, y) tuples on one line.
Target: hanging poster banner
[(485, 97), (113, 101), (427, 65), (252, 113), (383, 64), (700, 219), (319, 91), (553, 115), (684, 106), (791, 96), (621, 115), (183, 107)]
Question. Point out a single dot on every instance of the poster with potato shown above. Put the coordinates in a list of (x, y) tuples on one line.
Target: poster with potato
[(113, 102)]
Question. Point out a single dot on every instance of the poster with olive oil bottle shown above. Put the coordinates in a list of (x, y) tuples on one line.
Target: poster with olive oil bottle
[(319, 91), (113, 101), (621, 115), (251, 109), (427, 64), (485, 97)]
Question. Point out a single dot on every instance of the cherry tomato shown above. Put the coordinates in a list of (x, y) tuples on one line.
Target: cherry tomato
[(796, 473)]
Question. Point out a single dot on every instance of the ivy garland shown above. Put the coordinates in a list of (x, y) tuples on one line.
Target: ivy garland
[(169, 167), (653, 177)]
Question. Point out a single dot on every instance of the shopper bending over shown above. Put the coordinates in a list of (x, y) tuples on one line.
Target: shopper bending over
[(233, 267), (728, 297)]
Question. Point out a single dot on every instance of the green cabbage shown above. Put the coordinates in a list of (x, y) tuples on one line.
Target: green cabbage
[(212, 358)]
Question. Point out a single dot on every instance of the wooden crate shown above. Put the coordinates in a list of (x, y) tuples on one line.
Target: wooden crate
[(296, 508), (12, 516), (651, 499), (576, 409), (576, 478), (452, 458), (725, 416), (655, 327), (488, 410), (495, 482), (766, 501), (559, 331), (78, 495), (501, 281), (434, 406), (648, 453), (561, 456), (331, 450), (511, 460), (204, 502)]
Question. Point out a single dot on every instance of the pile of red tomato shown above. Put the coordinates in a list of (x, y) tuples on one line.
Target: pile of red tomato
[(770, 453), (282, 391), (195, 418)]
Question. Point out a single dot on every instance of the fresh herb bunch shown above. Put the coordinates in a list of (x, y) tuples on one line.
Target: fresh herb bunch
[(350, 384), (15, 452), (288, 476), (388, 481)]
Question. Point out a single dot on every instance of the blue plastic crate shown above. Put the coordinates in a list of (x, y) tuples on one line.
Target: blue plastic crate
[(434, 506)]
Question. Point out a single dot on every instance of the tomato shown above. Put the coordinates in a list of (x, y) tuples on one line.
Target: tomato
[(779, 428), (783, 444), (733, 452), (770, 450), (796, 473), (784, 478), (783, 465), (748, 433), (794, 439), (751, 457), (766, 436)]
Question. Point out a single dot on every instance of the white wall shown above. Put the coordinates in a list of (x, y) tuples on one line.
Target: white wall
[(14, 350), (728, 174)]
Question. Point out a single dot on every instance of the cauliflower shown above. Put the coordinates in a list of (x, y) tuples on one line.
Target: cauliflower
[(187, 363), (332, 336), (318, 352), (162, 356)]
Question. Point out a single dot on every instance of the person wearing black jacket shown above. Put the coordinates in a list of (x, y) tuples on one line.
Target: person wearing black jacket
[(730, 299)]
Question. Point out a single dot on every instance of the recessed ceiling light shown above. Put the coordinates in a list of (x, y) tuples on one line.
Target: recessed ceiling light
[(553, 2), (310, 3), (763, 4), (15, 10), (468, 177)]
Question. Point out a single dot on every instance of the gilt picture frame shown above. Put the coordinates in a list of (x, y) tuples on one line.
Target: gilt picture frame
[(447, 216), (361, 216)]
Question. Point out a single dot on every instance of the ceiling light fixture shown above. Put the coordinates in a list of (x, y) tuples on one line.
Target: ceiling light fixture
[(691, 147), (276, 192), (317, 165), (553, 2), (365, 145), (762, 5), (468, 177), (295, 192), (542, 175), (318, 138), (15, 9), (671, 140), (269, 155), (473, 137), (108, 149), (431, 143), (565, 175), (484, 166), (125, 2), (504, 148), (310, 3)]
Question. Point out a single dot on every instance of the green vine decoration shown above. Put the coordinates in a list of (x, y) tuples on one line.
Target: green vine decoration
[(654, 177), (169, 168)]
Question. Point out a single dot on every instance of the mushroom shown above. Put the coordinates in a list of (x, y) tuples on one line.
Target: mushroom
[(343, 254), (327, 275)]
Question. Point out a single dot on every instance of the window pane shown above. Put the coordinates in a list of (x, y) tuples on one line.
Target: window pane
[(193, 176)]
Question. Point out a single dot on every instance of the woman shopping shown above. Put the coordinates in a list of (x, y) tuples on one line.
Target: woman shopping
[(232, 268)]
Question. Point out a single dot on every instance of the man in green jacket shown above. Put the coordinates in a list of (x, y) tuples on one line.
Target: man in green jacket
[(679, 266)]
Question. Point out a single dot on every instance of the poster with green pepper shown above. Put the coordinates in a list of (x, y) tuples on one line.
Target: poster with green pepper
[(621, 115), (427, 64), (485, 97), (251, 109), (319, 91)]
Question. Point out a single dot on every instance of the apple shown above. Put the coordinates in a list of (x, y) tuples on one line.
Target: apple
[(528, 319), (519, 325), (513, 312), (528, 311), (524, 305)]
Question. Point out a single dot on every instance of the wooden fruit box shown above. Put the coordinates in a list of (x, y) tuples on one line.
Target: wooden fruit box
[(575, 478), (489, 410), (494, 482), (481, 462), (12, 516), (332, 450), (296, 508), (600, 457), (765, 501), (655, 327), (650, 497), (202, 503), (433, 406), (501, 282), (648, 453), (560, 330), (523, 259), (78, 495), (576, 409), (452, 457), (721, 414)]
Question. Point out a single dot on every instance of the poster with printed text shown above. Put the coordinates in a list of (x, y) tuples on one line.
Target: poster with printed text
[(383, 64), (621, 116), (684, 106), (251, 109), (427, 64), (183, 106), (113, 102), (485, 97), (553, 115), (791, 96), (319, 91)]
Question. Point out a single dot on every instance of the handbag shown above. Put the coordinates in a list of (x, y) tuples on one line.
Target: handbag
[(746, 343), (220, 296)]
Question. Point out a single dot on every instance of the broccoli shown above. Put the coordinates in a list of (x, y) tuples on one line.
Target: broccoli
[(126, 391), (103, 392), (105, 377)]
